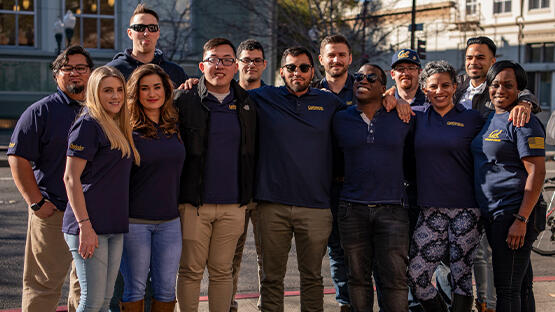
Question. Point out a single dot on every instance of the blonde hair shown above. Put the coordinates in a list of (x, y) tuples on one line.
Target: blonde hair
[(117, 129)]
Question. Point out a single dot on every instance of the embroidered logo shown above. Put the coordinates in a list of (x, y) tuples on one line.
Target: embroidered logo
[(403, 54), (315, 107), (494, 136), (76, 147), (246, 107), (536, 143), (232, 106), (12, 144), (455, 123)]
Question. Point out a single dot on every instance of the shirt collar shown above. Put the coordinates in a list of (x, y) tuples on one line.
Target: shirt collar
[(67, 100), (419, 97), (478, 89), (348, 83), (285, 91)]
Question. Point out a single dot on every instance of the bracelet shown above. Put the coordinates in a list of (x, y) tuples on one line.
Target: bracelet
[(84, 220), (520, 218)]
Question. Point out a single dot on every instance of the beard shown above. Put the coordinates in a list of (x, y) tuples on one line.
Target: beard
[(297, 87), (340, 73), (75, 89)]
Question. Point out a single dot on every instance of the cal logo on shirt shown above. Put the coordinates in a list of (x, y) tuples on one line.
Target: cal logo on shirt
[(494, 136), (232, 106), (76, 147), (315, 107), (12, 144), (536, 143), (455, 123)]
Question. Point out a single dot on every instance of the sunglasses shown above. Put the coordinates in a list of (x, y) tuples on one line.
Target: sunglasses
[(141, 27), (369, 77), (292, 67)]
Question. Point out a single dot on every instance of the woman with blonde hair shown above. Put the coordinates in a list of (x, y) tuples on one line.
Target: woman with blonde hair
[(99, 157), (154, 239)]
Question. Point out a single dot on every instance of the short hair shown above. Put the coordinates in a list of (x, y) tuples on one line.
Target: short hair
[(250, 45), (337, 38), (296, 51), (215, 42), (482, 40), (520, 73), (138, 118), (63, 58), (382, 76), (143, 9), (437, 67)]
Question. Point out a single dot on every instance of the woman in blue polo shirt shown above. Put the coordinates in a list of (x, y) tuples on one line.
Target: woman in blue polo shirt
[(99, 157), (154, 239), (448, 222), (510, 169)]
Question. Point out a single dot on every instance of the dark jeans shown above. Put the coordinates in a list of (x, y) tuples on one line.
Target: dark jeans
[(375, 236), (512, 269), (338, 267)]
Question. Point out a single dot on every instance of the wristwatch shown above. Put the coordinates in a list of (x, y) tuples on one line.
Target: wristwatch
[(36, 206)]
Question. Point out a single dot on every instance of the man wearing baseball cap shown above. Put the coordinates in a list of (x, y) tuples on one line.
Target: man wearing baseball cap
[(405, 69)]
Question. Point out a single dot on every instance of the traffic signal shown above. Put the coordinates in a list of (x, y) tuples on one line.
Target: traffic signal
[(421, 49)]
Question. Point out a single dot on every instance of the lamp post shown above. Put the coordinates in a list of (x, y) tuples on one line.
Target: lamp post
[(69, 24), (58, 33)]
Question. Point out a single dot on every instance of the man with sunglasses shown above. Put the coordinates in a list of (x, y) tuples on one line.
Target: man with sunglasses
[(144, 31), (294, 173), (217, 122), (373, 222), (37, 157)]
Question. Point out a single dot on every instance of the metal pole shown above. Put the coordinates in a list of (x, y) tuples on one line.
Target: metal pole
[(413, 25)]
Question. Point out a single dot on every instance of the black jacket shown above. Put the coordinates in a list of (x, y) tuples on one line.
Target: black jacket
[(482, 103), (194, 124)]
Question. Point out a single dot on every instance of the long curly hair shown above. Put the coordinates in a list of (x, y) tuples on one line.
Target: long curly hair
[(138, 119)]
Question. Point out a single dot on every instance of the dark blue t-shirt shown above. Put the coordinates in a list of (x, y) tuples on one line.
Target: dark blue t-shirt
[(498, 151), (347, 93), (105, 179), (373, 155), (419, 98), (221, 171), (154, 187), (295, 147), (444, 166), (40, 136)]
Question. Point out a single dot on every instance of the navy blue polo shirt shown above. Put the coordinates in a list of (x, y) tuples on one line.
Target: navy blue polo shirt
[(347, 93), (498, 151), (295, 147), (373, 153), (40, 136), (444, 165), (221, 171), (105, 179), (154, 187), (418, 100)]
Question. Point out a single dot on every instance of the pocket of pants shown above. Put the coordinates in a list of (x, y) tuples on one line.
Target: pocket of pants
[(189, 221), (343, 210), (539, 218)]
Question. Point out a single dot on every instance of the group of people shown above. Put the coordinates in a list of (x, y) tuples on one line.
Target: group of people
[(135, 168)]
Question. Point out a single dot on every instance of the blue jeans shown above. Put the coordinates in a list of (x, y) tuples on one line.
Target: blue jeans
[(375, 236), (338, 266), (155, 248), (97, 275)]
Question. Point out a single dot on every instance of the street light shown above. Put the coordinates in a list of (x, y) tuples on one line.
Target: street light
[(58, 33), (69, 24)]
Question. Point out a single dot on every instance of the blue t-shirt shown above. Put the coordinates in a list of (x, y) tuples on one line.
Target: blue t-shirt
[(295, 146), (498, 151), (444, 166), (154, 187), (221, 170), (105, 179), (419, 98), (373, 155), (347, 94), (40, 136)]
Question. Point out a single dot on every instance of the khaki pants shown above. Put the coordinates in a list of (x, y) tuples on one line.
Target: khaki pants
[(46, 264), (210, 235), (251, 214), (311, 228)]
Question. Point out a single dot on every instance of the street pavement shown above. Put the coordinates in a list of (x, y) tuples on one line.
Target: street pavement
[(13, 224)]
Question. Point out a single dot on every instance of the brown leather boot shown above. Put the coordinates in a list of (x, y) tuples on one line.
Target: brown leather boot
[(135, 306), (490, 310), (159, 306)]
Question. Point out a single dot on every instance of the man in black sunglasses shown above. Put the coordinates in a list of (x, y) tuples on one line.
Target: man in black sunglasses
[(144, 31)]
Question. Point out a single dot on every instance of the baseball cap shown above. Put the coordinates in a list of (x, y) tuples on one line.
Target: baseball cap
[(405, 55)]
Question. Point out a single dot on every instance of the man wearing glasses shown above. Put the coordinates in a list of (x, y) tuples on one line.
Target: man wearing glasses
[(373, 222), (294, 173), (217, 121), (144, 31), (37, 156)]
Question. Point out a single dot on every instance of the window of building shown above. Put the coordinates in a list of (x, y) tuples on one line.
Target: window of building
[(540, 52), (540, 84), (501, 6), (96, 20), (17, 23), (471, 7), (538, 4)]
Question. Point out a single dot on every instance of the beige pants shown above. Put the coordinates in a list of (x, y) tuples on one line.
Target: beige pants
[(46, 264), (210, 235)]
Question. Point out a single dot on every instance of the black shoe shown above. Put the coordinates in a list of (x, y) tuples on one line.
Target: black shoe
[(462, 303), (345, 308), (435, 304)]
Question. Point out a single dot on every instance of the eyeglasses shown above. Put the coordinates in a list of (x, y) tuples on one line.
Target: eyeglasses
[(369, 77), (407, 68), (226, 61), (80, 69), (292, 67), (141, 27), (257, 61)]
